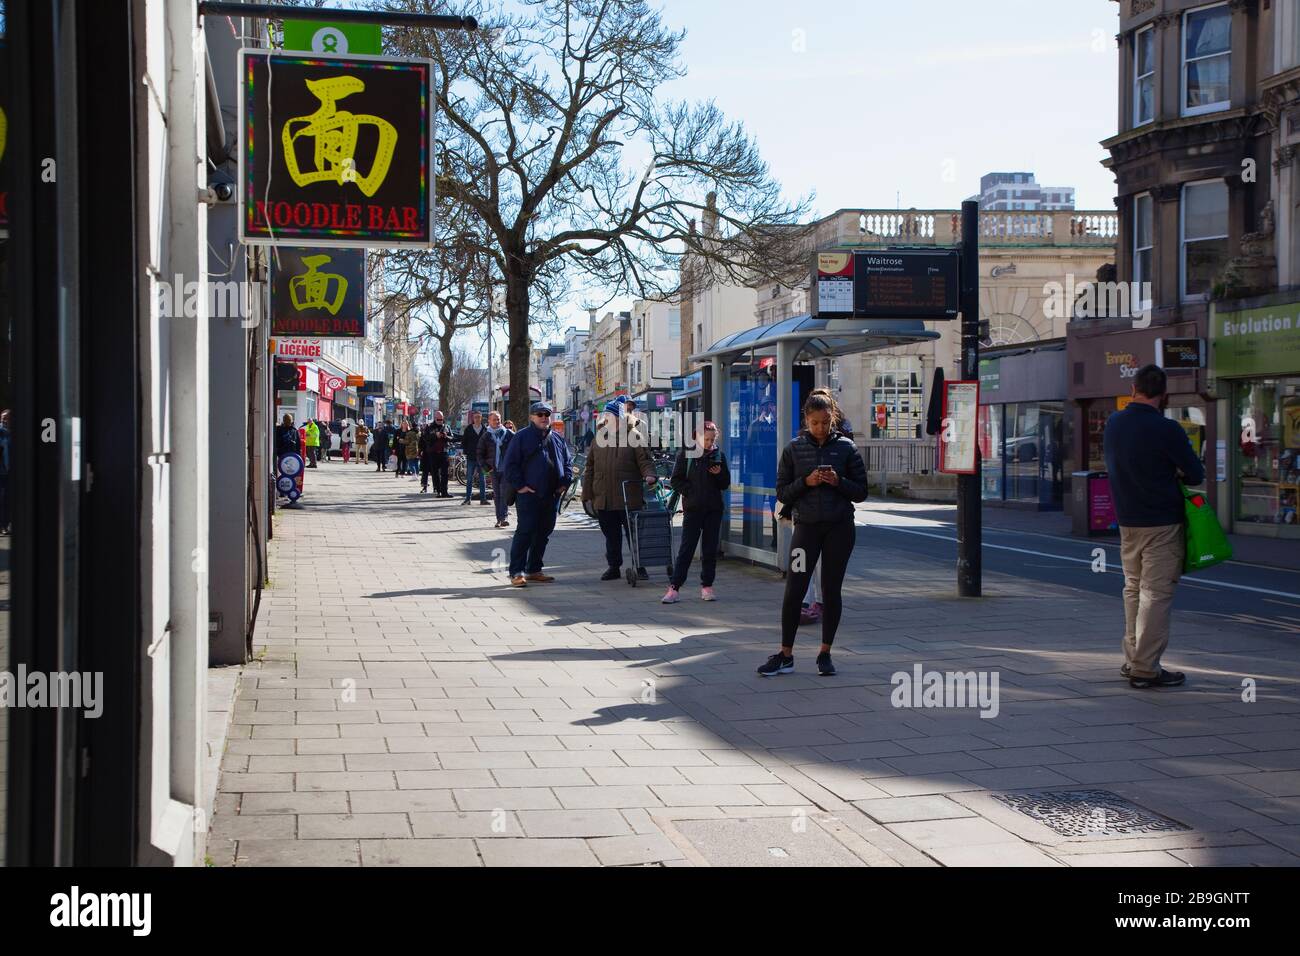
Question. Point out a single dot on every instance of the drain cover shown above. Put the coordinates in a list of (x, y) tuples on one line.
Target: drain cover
[(1089, 813)]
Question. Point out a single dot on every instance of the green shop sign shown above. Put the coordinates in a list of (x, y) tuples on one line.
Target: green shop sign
[(1255, 342), (336, 38)]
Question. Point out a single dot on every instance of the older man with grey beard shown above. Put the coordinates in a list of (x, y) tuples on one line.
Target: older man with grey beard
[(491, 451)]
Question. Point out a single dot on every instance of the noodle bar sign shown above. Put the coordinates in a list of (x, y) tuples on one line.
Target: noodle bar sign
[(335, 150)]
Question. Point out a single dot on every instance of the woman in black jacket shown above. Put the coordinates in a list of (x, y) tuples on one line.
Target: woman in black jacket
[(819, 478), (700, 480)]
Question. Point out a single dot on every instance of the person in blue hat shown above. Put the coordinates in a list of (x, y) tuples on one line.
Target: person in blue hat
[(537, 465)]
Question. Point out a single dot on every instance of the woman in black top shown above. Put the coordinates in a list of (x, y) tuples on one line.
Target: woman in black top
[(700, 480), (820, 477)]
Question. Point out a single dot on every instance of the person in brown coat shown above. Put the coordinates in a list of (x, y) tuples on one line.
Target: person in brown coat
[(617, 455)]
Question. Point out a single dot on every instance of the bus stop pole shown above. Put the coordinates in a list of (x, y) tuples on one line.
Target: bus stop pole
[(970, 529)]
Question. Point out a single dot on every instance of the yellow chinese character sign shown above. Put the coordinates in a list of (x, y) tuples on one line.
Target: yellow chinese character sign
[(334, 134), (336, 150), (312, 289), (318, 293)]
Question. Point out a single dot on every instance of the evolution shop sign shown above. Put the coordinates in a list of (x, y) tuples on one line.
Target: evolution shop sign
[(1257, 341), (335, 150)]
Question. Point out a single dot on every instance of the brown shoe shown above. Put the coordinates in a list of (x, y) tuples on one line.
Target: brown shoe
[(518, 581), (541, 578)]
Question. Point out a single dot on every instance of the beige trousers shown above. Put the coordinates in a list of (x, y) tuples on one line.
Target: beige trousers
[(1153, 562)]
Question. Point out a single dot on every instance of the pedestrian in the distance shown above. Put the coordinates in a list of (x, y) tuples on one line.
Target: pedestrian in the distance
[(616, 465), (412, 440), (399, 448), (379, 445), (491, 450), (701, 481), (288, 440), (819, 479), (441, 446), (1146, 456), (538, 467), (362, 446), (347, 438), (312, 432), (469, 445)]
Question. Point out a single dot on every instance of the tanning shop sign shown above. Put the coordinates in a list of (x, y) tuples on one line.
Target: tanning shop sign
[(335, 150), (318, 293)]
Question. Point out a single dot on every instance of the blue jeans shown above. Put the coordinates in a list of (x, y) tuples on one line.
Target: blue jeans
[(472, 469), (535, 520)]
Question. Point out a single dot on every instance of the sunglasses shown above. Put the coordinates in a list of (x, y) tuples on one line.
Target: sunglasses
[(541, 414)]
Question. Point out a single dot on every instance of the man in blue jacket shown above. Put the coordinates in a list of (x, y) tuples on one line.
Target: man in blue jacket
[(1146, 455), (538, 467)]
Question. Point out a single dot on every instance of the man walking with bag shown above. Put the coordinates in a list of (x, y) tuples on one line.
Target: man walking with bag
[(1146, 455), (537, 468)]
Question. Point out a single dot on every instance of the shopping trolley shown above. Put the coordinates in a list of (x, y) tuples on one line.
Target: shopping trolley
[(649, 531)]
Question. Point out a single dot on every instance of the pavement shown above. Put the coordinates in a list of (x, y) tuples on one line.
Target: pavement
[(407, 708)]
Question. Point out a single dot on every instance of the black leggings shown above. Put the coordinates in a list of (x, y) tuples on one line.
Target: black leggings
[(831, 542)]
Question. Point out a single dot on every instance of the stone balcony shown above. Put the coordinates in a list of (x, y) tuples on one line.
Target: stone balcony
[(942, 227)]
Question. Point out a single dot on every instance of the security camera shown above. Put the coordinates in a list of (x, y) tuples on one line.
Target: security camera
[(220, 191)]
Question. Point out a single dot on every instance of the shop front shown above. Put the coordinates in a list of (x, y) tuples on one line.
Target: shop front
[(1255, 346), (1103, 362), (1023, 427)]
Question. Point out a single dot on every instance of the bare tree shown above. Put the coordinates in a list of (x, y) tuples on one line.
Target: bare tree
[(542, 113), (465, 384), (444, 290)]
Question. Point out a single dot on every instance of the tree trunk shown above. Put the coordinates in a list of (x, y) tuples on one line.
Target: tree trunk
[(445, 367), (520, 347)]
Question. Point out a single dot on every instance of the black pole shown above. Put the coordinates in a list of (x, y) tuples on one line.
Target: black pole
[(970, 530), (274, 11)]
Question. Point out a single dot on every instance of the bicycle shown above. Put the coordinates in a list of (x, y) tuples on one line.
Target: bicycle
[(575, 487)]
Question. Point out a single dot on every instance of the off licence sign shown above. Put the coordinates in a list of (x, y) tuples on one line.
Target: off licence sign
[(335, 150)]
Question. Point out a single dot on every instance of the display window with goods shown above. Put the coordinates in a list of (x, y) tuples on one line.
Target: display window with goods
[(1267, 454)]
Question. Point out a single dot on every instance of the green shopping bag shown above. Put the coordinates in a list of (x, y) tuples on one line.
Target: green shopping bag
[(1207, 545)]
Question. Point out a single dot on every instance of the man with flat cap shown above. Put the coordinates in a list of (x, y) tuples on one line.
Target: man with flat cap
[(538, 467)]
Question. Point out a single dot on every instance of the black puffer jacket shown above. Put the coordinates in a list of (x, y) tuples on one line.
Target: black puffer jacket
[(824, 502), (700, 490)]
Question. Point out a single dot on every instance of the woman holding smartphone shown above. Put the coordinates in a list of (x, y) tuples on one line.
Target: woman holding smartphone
[(700, 481), (820, 477)]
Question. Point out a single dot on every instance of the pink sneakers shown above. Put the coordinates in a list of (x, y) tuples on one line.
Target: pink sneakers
[(811, 614), (671, 596), (706, 594)]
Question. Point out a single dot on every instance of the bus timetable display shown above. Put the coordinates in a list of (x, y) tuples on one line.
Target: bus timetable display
[(906, 285), (889, 284)]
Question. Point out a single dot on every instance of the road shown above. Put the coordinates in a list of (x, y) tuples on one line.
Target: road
[(1234, 594)]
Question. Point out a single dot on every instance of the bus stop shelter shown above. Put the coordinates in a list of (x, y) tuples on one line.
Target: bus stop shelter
[(759, 382)]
